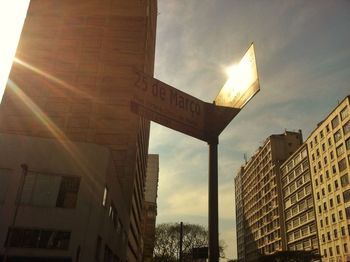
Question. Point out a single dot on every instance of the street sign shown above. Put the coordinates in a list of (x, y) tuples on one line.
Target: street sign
[(168, 106), (177, 110), (243, 82)]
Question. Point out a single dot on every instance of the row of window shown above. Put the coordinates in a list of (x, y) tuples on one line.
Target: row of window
[(342, 165), (308, 244), (344, 113), (325, 206), (334, 220), (302, 219), (337, 250), (301, 232), (38, 238), (295, 161), (329, 188), (112, 211), (296, 184)]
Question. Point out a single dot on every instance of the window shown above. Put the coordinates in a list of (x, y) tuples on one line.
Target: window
[(317, 152), (329, 141), (108, 255), (338, 199), (347, 213), (325, 160), (337, 249), (346, 250), (38, 238), (346, 127), (334, 169), (343, 233), (333, 218), (315, 139), (332, 155), (329, 237), (331, 202), (113, 213), (329, 188), (347, 142), (327, 128), (337, 136), (105, 195), (330, 252), (346, 196), (340, 215), (68, 192), (340, 150), (344, 180), (50, 190), (336, 184), (321, 133), (344, 113), (342, 164), (335, 122), (98, 248)]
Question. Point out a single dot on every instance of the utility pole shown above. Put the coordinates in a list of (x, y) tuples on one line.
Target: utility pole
[(181, 239)]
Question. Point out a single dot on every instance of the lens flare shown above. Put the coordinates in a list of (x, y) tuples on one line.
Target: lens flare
[(12, 16)]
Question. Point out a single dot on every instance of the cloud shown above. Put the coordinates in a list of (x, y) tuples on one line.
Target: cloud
[(303, 63)]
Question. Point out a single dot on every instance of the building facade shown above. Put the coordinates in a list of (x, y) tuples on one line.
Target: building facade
[(65, 115), (329, 157), (150, 207), (261, 194), (298, 203), (240, 221)]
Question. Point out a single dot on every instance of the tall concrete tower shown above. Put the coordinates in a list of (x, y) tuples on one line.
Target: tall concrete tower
[(65, 115)]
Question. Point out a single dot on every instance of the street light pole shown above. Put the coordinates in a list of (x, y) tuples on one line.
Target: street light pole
[(213, 201), (17, 204)]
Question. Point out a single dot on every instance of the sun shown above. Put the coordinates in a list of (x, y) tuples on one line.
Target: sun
[(12, 15)]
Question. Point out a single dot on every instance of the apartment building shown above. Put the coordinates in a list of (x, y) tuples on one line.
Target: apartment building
[(261, 194), (329, 157), (240, 221), (65, 117), (298, 202)]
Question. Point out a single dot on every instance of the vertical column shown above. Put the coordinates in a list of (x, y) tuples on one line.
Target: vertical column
[(213, 201)]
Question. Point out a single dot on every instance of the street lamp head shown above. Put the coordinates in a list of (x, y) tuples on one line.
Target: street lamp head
[(242, 82)]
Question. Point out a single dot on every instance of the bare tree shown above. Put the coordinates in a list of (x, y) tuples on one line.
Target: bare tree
[(167, 246)]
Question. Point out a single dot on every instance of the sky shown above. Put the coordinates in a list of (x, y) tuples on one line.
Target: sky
[(303, 59)]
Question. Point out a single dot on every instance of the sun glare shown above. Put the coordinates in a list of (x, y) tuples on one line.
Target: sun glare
[(12, 15)]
